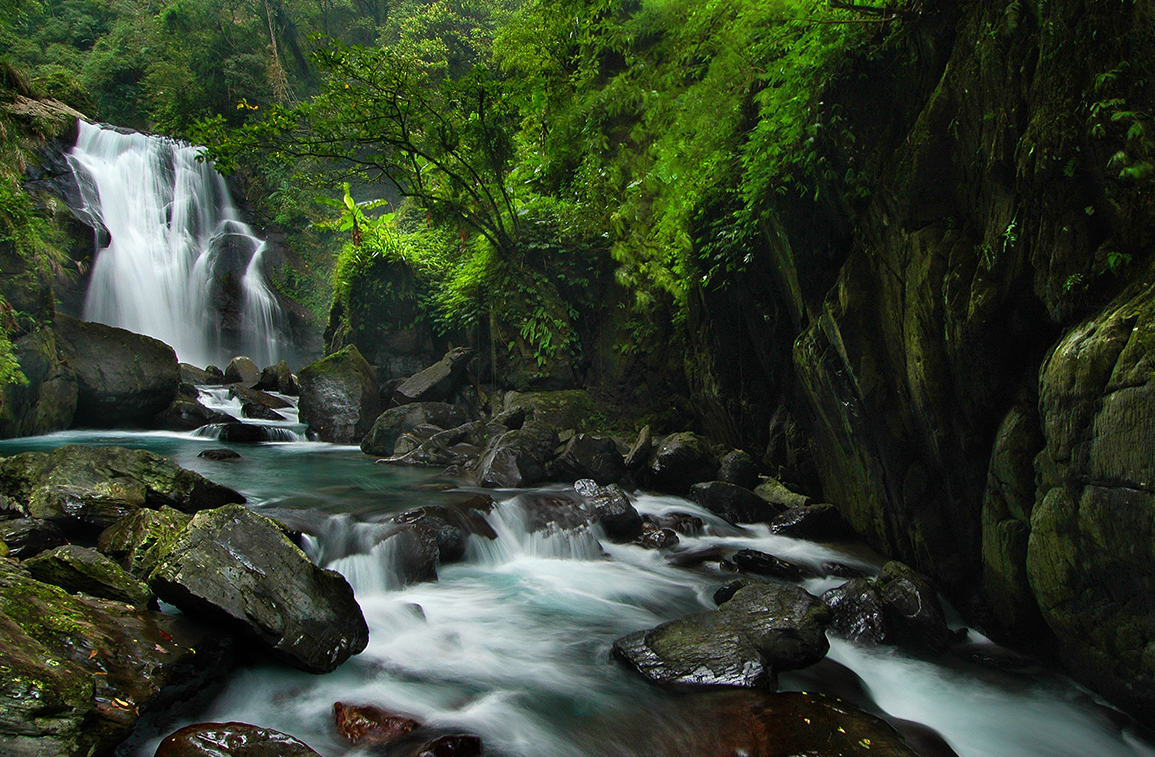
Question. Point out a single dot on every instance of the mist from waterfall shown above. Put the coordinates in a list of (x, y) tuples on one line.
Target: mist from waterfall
[(176, 263)]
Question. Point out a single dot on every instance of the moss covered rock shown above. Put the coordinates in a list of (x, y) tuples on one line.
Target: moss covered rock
[(339, 398)]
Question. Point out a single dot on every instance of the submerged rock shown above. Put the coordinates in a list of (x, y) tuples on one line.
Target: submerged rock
[(233, 564), (233, 740), (366, 724), (761, 630)]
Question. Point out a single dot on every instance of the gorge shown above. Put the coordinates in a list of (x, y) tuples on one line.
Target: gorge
[(912, 281)]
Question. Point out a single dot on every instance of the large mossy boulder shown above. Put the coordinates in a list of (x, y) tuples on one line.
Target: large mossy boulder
[(90, 488), (1091, 551), (122, 378), (78, 671), (562, 409), (763, 629), (46, 401), (234, 565), (80, 569), (339, 398)]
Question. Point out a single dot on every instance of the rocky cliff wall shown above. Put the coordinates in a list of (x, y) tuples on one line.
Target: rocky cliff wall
[(968, 347)]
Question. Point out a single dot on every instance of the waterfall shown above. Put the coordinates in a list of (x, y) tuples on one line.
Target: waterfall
[(176, 263)]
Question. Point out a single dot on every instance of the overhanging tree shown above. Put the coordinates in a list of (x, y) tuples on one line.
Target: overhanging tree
[(387, 116)]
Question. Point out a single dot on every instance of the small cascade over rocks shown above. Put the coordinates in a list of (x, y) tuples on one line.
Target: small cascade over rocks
[(173, 260)]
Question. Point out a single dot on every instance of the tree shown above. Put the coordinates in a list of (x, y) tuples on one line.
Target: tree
[(387, 116)]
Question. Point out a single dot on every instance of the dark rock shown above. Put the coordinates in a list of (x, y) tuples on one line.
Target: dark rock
[(214, 376), (857, 612), (388, 427), (79, 569), (738, 468), (450, 537), (588, 457), (612, 509), (80, 487), (451, 745), (639, 453), (233, 740), (779, 495), (682, 523), (234, 564), (122, 378), (655, 537), (517, 459), (278, 378), (260, 412), (220, 454), (511, 419), (242, 370), (366, 724), (735, 504), (437, 382), (561, 410), (761, 630), (190, 374), (249, 396), (237, 432), (26, 537), (187, 414), (80, 664), (913, 609), (841, 570), (812, 522), (339, 399), (762, 564), (679, 461), (554, 511)]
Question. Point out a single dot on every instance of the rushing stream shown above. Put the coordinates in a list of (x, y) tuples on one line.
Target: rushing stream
[(513, 643)]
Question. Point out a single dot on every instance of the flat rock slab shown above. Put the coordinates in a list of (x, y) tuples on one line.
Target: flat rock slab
[(233, 564), (763, 629)]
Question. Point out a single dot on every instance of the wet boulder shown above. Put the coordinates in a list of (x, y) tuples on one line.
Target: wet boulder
[(90, 488), (233, 564), (763, 564), (79, 663), (369, 725), (80, 569), (278, 378), (239, 432), (437, 382), (449, 745), (186, 414), (588, 457), (260, 412), (857, 612), (242, 370), (249, 396), (517, 458), (612, 509), (339, 399), (122, 378), (762, 629), (913, 608), (232, 739), (26, 537), (735, 504), (812, 522), (387, 428), (738, 468), (654, 536), (679, 461)]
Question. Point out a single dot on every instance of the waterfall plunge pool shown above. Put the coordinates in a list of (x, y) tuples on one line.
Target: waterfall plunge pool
[(513, 643)]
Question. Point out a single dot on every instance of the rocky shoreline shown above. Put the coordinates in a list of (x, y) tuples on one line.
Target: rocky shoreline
[(95, 538)]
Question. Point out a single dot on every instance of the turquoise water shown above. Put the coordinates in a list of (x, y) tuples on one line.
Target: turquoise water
[(513, 643)]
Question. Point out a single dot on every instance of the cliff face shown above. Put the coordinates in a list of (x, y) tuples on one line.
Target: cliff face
[(969, 347)]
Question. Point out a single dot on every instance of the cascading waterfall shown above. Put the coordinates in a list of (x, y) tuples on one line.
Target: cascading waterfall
[(176, 263)]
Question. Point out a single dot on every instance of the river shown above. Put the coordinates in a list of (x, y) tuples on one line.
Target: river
[(513, 643)]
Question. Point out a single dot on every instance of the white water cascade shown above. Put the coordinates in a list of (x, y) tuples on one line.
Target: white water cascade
[(177, 263)]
